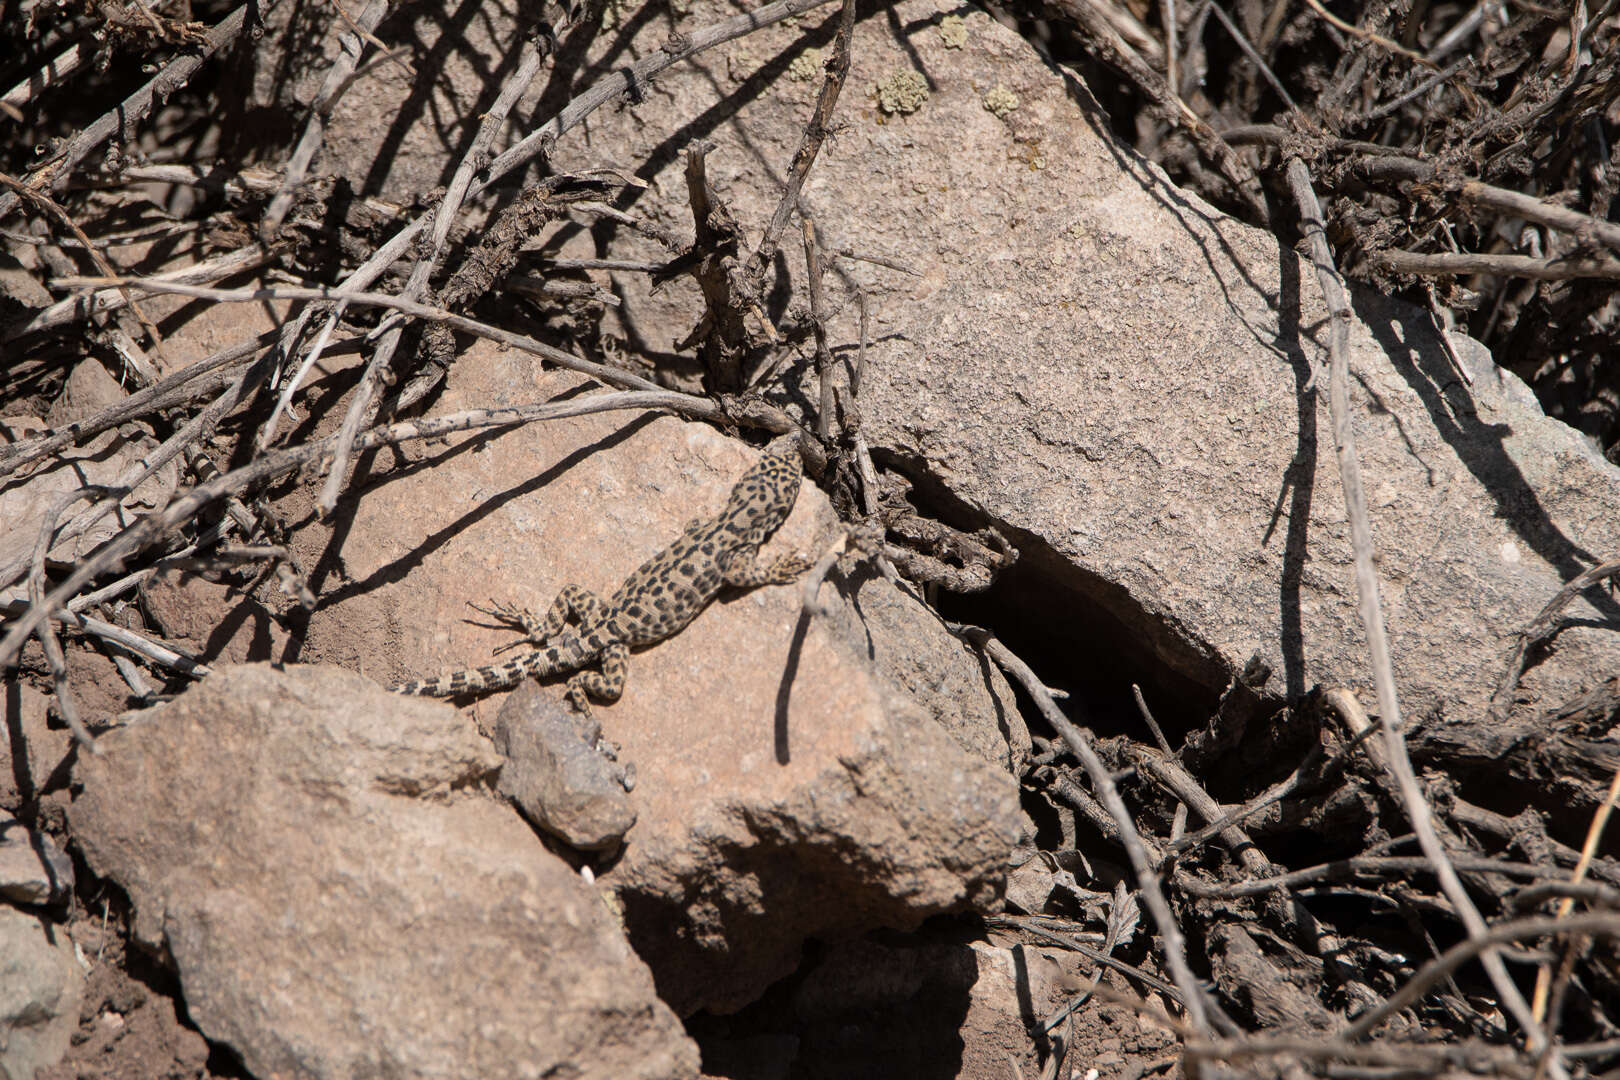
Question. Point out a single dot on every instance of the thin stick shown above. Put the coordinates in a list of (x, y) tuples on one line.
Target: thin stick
[(815, 133), (1401, 865), (1147, 879), (610, 375), (149, 529), (136, 106), (136, 643), (1517, 266), (824, 359), (1594, 833), (75, 308), (1603, 923), (1538, 628), (1371, 610), (1253, 55)]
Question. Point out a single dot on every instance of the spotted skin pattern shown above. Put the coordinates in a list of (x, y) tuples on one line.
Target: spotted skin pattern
[(654, 603)]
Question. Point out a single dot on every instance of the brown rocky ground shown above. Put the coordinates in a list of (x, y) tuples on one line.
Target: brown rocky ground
[(828, 835)]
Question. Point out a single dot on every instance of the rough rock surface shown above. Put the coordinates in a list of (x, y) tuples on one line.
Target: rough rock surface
[(336, 905), (784, 787), (557, 772), (33, 869), (1115, 373), (40, 988)]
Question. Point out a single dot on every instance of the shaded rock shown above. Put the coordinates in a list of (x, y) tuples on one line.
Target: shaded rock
[(213, 620), (33, 869), (886, 1006), (40, 988), (88, 389), (34, 757), (336, 905), (785, 788), (959, 688), (558, 772), (25, 504)]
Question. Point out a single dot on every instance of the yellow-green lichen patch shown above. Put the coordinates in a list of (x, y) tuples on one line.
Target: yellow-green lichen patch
[(1000, 100), (901, 91), (805, 65), (953, 31)]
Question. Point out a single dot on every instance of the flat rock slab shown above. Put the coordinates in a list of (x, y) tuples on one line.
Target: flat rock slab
[(1116, 373), (295, 841), (785, 785)]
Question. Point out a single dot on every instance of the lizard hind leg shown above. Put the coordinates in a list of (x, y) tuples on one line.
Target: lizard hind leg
[(606, 685), (584, 605)]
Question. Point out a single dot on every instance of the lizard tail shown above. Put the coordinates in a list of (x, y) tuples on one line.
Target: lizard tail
[(545, 661)]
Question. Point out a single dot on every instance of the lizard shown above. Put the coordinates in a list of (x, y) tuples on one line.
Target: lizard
[(656, 602)]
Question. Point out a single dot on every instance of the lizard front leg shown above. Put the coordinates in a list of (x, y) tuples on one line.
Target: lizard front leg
[(741, 568)]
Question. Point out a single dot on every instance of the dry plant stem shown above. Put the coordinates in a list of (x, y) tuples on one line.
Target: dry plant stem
[(1274, 794), (153, 527), (1400, 865), (1518, 266), (815, 133), (1367, 35), (636, 75), (1416, 92), (1594, 833), (361, 408), (1371, 610), (1603, 923), (1111, 49), (183, 386), (610, 375), (824, 360), (75, 308), (56, 69), (1381, 163), (1069, 941), (174, 75), (1153, 725), (136, 643), (51, 206), (1147, 880), (54, 659), (1255, 58), (350, 47), (1541, 626)]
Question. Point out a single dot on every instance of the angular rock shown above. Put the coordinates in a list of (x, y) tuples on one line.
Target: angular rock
[(40, 988), (338, 904), (558, 773), (1114, 373), (784, 788), (33, 869)]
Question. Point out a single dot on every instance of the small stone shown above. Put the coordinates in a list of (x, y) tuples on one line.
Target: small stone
[(558, 772), (33, 870)]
